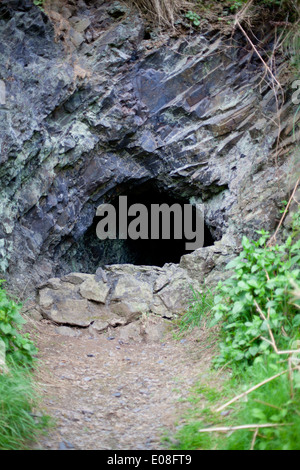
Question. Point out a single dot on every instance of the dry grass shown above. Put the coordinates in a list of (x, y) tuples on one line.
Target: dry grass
[(163, 11)]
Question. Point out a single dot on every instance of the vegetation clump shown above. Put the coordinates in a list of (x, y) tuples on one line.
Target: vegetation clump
[(258, 298), (258, 310), (19, 397), (19, 347)]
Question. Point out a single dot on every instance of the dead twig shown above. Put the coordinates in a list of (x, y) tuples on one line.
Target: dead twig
[(290, 359), (237, 22), (255, 387), (244, 426), (267, 404), (273, 342), (254, 439), (273, 238)]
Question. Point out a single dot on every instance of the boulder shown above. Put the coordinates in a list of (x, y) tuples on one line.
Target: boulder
[(131, 297), (63, 307), (94, 290), (128, 292)]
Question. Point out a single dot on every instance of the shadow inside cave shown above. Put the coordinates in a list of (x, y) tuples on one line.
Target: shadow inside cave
[(89, 252)]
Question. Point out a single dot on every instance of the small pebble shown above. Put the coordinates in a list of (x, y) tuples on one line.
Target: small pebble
[(225, 413), (117, 394), (65, 445)]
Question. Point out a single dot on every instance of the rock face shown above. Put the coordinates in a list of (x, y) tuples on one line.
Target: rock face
[(93, 111)]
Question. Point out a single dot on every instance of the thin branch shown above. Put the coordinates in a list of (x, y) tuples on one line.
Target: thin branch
[(242, 12), (238, 397), (291, 376), (269, 329), (258, 53), (244, 426), (272, 342), (267, 404), (273, 238), (254, 439)]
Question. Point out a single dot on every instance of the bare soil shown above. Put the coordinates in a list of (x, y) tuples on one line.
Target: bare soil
[(105, 393)]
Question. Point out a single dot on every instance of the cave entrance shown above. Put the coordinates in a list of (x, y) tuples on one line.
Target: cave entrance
[(92, 253)]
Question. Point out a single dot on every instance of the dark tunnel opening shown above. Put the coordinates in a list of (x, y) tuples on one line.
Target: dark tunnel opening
[(90, 252)]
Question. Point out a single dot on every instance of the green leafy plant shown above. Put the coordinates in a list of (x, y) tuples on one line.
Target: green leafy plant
[(258, 308), (284, 204), (193, 17), (237, 4), (40, 4), (19, 426), (19, 347), (261, 282)]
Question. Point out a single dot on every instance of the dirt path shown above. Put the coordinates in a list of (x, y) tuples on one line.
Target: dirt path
[(108, 394)]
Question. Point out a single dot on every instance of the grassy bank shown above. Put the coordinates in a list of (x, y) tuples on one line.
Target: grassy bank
[(257, 407), (20, 421)]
